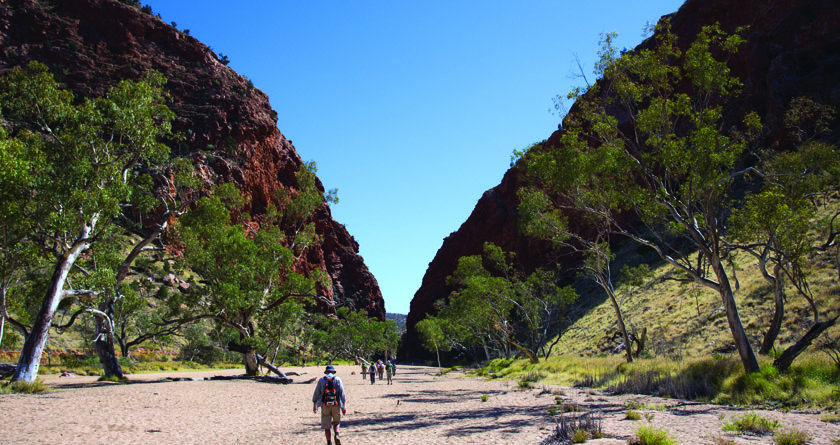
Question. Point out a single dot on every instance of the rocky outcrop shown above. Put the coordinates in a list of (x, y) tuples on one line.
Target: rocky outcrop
[(230, 129), (792, 49)]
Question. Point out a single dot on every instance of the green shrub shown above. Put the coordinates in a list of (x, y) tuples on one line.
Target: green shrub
[(752, 423), (792, 436), (484, 397), (649, 435)]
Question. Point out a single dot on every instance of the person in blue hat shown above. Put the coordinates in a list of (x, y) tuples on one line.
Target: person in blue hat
[(329, 396)]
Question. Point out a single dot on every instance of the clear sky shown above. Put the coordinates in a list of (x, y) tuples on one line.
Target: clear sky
[(410, 109)]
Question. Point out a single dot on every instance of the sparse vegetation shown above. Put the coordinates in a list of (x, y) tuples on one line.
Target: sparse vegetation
[(791, 436), (752, 423), (575, 429)]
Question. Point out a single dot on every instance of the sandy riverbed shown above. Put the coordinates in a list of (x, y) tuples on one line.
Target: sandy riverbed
[(419, 408)]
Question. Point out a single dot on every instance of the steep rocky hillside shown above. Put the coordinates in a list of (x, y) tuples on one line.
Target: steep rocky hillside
[(792, 49), (231, 132)]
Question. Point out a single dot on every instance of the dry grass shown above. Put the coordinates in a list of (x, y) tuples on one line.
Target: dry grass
[(686, 320)]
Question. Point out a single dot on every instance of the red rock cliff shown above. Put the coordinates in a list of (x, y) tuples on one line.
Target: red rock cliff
[(231, 130), (792, 49)]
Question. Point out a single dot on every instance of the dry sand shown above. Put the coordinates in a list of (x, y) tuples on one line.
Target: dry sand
[(419, 408)]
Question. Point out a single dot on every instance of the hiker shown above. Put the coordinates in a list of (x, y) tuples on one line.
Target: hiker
[(380, 368), (329, 395), (389, 370), (394, 366), (364, 370), (372, 373)]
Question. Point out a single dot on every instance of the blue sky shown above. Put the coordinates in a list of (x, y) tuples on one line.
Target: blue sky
[(410, 109)]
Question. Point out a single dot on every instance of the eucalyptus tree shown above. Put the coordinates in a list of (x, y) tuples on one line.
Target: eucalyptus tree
[(248, 268), (432, 331), (773, 224), (354, 336), (74, 164), (497, 306), (648, 139)]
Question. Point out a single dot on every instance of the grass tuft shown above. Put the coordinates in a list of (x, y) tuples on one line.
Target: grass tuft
[(752, 423), (650, 435), (792, 436), (633, 415), (575, 429), (112, 378), (19, 387)]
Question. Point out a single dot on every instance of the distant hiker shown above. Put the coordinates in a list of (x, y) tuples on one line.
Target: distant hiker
[(372, 373), (394, 365), (380, 368), (389, 371), (364, 370), (329, 395)]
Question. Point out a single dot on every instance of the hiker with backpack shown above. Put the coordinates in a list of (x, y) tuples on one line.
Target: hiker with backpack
[(389, 370), (329, 396), (372, 373), (364, 370)]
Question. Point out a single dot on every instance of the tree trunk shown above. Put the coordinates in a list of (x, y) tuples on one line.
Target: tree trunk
[(33, 347), (251, 365), (778, 312), (784, 361), (739, 336), (529, 353), (628, 350), (105, 341), (268, 365)]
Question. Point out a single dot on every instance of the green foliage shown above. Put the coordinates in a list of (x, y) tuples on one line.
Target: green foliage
[(497, 307), (651, 435), (673, 163), (355, 336), (752, 423), (248, 274)]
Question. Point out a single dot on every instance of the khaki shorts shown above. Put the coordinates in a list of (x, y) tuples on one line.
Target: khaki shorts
[(330, 416)]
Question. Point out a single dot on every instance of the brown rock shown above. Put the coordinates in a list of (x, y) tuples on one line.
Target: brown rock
[(792, 49), (230, 130)]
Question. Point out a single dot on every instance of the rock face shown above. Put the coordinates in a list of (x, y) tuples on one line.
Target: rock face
[(792, 49), (231, 131)]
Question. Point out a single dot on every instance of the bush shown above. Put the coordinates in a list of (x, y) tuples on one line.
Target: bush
[(633, 415)]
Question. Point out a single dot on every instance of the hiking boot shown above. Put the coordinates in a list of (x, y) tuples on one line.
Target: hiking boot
[(337, 440)]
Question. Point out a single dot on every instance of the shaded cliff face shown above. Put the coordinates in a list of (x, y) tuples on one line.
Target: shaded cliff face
[(792, 49), (231, 131)]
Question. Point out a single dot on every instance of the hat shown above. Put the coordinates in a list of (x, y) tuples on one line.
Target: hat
[(330, 369)]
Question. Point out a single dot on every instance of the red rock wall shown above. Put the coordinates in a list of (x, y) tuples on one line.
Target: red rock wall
[(231, 130), (792, 49)]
